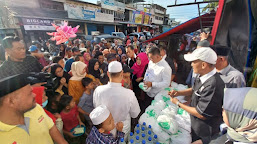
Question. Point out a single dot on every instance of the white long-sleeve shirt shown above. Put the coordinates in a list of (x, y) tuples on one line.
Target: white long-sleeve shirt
[(160, 76)]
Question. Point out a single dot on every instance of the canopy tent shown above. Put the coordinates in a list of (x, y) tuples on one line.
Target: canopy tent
[(189, 26)]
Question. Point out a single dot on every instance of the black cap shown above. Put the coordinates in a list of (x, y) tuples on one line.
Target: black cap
[(221, 50), (75, 49), (126, 69), (111, 57), (12, 83)]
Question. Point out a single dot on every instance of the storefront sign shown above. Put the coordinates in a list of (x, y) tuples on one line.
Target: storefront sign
[(138, 17), (85, 12), (88, 15), (147, 18), (108, 4), (104, 17), (37, 24), (78, 11)]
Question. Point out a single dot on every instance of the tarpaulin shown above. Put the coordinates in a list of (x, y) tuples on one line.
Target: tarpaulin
[(189, 26)]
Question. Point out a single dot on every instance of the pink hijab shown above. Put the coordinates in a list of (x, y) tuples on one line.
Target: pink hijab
[(139, 69), (86, 62)]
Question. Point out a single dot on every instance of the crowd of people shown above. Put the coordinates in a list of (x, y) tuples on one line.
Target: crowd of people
[(90, 92)]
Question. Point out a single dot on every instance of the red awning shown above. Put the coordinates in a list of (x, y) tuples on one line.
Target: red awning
[(189, 26)]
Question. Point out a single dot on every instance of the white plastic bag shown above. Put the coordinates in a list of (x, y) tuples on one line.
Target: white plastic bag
[(181, 137), (169, 111), (144, 87), (168, 124), (163, 137)]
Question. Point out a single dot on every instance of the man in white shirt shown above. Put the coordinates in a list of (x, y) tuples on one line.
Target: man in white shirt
[(121, 102), (163, 50), (158, 74)]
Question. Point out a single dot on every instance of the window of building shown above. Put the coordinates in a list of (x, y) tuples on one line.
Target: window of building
[(48, 4)]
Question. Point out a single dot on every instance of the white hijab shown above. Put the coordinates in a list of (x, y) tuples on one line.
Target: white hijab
[(77, 69)]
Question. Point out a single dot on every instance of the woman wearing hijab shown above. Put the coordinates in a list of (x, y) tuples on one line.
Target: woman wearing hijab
[(75, 87), (94, 71), (62, 79), (240, 114), (139, 71), (87, 58)]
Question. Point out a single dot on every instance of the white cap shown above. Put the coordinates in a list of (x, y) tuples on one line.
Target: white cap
[(114, 67), (205, 54), (99, 114), (103, 40)]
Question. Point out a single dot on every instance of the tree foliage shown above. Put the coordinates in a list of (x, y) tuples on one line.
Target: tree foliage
[(210, 6)]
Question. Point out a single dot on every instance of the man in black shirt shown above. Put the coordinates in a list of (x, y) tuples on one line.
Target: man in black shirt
[(131, 56), (207, 96), (163, 51), (17, 61)]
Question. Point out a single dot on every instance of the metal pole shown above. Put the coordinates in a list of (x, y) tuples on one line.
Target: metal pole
[(200, 17)]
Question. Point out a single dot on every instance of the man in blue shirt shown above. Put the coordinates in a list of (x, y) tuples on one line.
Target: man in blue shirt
[(68, 63)]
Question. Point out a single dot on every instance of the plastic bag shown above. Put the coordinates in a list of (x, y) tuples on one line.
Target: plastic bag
[(158, 104), (174, 85), (163, 137), (170, 111), (181, 137), (144, 87), (168, 124)]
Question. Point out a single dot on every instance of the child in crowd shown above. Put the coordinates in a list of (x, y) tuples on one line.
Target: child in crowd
[(103, 124), (85, 105), (42, 100), (71, 119), (53, 102), (123, 58)]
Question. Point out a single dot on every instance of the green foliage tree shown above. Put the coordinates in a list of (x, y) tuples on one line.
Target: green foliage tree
[(209, 7)]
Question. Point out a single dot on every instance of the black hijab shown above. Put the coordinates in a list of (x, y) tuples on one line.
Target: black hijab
[(91, 70), (54, 67)]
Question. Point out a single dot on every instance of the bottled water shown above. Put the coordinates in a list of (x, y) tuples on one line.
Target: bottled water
[(143, 142), (149, 128), (122, 141), (137, 141), (149, 133), (138, 127), (144, 125), (137, 132), (143, 130), (150, 141), (155, 139), (131, 141), (130, 136), (143, 136)]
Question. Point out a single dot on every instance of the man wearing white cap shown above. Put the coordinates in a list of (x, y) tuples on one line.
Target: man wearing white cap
[(103, 124), (207, 96), (121, 102)]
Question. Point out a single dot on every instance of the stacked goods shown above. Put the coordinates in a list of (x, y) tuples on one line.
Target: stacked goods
[(143, 134), (171, 123)]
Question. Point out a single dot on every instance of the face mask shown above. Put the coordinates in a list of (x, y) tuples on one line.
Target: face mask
[(44, 103)]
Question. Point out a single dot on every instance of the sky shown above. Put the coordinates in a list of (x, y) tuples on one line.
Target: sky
[(181, 13)]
